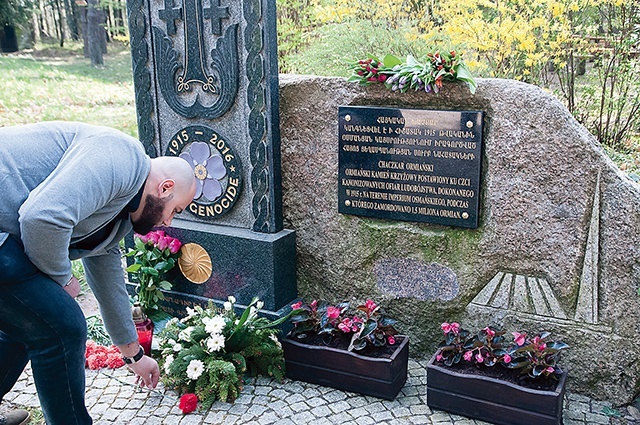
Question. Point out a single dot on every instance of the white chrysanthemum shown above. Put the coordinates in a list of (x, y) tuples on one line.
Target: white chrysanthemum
[(214, 325), (167, 363), (228, 306), (172, 321), (232, 299), (195, 369), (259, 305), (177, 347), (190, 313), (215, 342), (185, 334)]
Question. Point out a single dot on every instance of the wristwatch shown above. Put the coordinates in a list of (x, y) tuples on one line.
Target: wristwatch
[(134, 359)]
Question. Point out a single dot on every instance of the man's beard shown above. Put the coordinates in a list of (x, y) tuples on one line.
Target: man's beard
[(151, 215)]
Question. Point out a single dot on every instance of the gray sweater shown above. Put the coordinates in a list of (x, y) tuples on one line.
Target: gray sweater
[(62, 181)]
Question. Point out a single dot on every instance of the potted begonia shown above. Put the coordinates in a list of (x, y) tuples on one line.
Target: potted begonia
[(353, 350), (483, 376)]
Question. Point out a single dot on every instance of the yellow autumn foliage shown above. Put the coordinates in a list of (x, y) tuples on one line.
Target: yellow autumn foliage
[(500, 38)]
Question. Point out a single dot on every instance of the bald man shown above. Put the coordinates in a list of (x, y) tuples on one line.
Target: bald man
[(69, 191)]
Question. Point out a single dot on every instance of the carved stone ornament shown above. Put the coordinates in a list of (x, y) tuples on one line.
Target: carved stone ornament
[(195, 263), (216, 168)]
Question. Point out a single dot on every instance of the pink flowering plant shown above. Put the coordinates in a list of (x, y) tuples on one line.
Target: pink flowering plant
[(534, 357), (363, 328), (426, 74), (154, 254)]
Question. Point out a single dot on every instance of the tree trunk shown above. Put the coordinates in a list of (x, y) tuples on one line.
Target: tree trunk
[(60, 21), (35, 23), (95, 32), (42, 16), (8, 39), (125, 21), (72, 20), (83, 29)]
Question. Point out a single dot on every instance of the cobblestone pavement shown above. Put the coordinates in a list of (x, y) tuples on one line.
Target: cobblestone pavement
[(113, 399)]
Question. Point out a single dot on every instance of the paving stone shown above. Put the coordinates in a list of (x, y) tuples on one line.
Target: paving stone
[(191, 419), (410, 400), (230, 419), (420, 409), (303, 417), (401, 411), (365, 420), (573, 414), (439, 416), (383, 417), (358, 412), (294, 398), (244, 399), (112, 400), (339, 406), (579, 398), (299, 406), (334, 396), (278, 393), (321, 411), (593, 418), (316, 401)]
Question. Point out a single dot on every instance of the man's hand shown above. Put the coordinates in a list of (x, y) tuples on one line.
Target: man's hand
[(147, 370), (73, 287)]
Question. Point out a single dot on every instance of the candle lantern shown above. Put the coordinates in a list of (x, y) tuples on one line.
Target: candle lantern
[(144, 327)]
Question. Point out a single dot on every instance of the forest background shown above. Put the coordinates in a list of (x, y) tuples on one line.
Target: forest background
[(586, 52)]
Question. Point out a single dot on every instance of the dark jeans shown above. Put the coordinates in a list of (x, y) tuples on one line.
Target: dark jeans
[(40, 322)]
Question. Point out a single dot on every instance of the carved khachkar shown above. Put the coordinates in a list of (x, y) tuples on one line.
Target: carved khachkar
[(206, 80), (212, 63)]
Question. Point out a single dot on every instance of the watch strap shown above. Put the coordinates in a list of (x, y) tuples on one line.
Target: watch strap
[(134, 359)]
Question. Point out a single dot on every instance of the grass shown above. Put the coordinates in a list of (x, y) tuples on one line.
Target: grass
[(48, 83)]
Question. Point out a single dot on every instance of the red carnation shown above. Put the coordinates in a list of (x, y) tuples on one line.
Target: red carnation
[(114, 360), (188, 403)]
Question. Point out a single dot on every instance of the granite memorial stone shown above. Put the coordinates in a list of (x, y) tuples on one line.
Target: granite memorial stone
[(206, 82)]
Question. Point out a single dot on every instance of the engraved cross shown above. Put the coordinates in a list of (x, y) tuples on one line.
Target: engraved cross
[(170, 15), (216, 13)]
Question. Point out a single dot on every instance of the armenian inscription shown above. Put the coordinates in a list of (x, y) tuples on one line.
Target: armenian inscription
[(410, 164)]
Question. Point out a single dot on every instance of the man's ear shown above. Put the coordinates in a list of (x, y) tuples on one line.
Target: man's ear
[(166, 188)]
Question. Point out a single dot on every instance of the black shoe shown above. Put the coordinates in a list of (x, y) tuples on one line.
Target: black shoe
[(15, 417)]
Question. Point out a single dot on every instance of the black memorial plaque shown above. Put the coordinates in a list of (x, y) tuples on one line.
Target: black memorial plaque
[(410, 164)]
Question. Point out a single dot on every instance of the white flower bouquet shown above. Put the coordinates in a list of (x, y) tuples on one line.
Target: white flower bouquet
[(209, 351)]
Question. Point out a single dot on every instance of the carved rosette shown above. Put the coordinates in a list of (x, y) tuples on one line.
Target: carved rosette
[(195, 263)]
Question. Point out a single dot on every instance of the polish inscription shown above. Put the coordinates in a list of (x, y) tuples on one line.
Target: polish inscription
[(410, 164)]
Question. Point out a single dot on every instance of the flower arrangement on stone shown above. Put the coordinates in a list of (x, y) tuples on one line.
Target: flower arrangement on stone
[(208, 352), (99, 356), (535, 357), (154, 254), (427, 74), (365, 329)]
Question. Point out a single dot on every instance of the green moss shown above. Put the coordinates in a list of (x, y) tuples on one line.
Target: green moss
[(435, 243)]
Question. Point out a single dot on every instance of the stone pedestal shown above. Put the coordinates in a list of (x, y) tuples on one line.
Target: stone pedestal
[(245, 264)]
